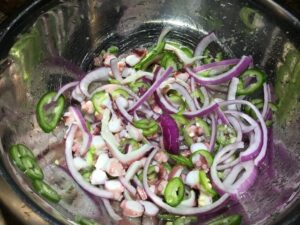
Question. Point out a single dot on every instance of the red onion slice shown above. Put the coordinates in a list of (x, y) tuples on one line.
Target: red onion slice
[(110, 210), (100, 74), (240, 178), (151, 90), (232, 92), (236, 125), (163, 34), (77, 94), (87, 136), (185, 94), (213, 170), (221, 78), (179, 211), (263, 150), (127, 185), (75, 174), (113, 144), (123, 111), (193, 89), (216, 65), (213, 134), (203, 111), (65, 88), (211, 37), (115, 70), (170, 133), (222, 116), (255, 140)]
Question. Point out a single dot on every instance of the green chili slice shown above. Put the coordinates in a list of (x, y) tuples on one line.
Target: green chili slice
[(98, 100), (206, 128), (16, 157), (174, 192), (206, 154), (173, 218), (49, 112), (118, 92), (32, 169), (148, 126), (84, 221), (113, 49), (205, 183), (151, 57), (186, 137), (250, 17), (225, 135), (179, 159), (228, 220), (260, 77), (46, 191), (180, 119)]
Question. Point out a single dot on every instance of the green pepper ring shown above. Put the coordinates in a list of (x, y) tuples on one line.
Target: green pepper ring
[(41, 114), (206, 154), (174, 192), (260, 79)]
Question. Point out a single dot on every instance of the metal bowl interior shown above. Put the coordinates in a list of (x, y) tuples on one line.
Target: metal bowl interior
[(44, 46)]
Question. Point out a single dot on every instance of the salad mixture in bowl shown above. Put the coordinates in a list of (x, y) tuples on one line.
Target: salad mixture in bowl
[(164, 131)]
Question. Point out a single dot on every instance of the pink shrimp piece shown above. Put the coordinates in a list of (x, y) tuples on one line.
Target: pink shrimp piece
[(132, 208), (107, 59), (114, 168), (182, 76), (161, 157), (192, 130), (87, 107), (142, 193), (115, 187), (121, 66), (161, 187)]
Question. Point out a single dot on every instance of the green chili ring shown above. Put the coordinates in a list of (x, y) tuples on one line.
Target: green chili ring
[(174, 192), (46, 191), (97, 100), (49, 118), (260, 79), (228, 220), (205, 183), (182, 160), (32, 169), (206, 154)]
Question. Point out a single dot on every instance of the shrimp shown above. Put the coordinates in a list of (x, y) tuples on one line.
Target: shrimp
[(114, 168), (132, 208)]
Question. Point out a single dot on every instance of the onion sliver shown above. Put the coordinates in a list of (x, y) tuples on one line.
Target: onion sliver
[(101, 74), (115, 70), (263, 150), (211, 37), (110, 210), (151, 90), (232, 92), (224, 77), (113, 144), (87, 136), (65, 88), (75, 174), (216, 65), (213, 134), (179, 211)]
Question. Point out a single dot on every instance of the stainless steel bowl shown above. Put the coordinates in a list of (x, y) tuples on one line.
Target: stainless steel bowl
[(43, 45)]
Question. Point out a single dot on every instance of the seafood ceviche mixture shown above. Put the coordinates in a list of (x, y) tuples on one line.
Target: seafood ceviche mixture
[(165, 131)]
